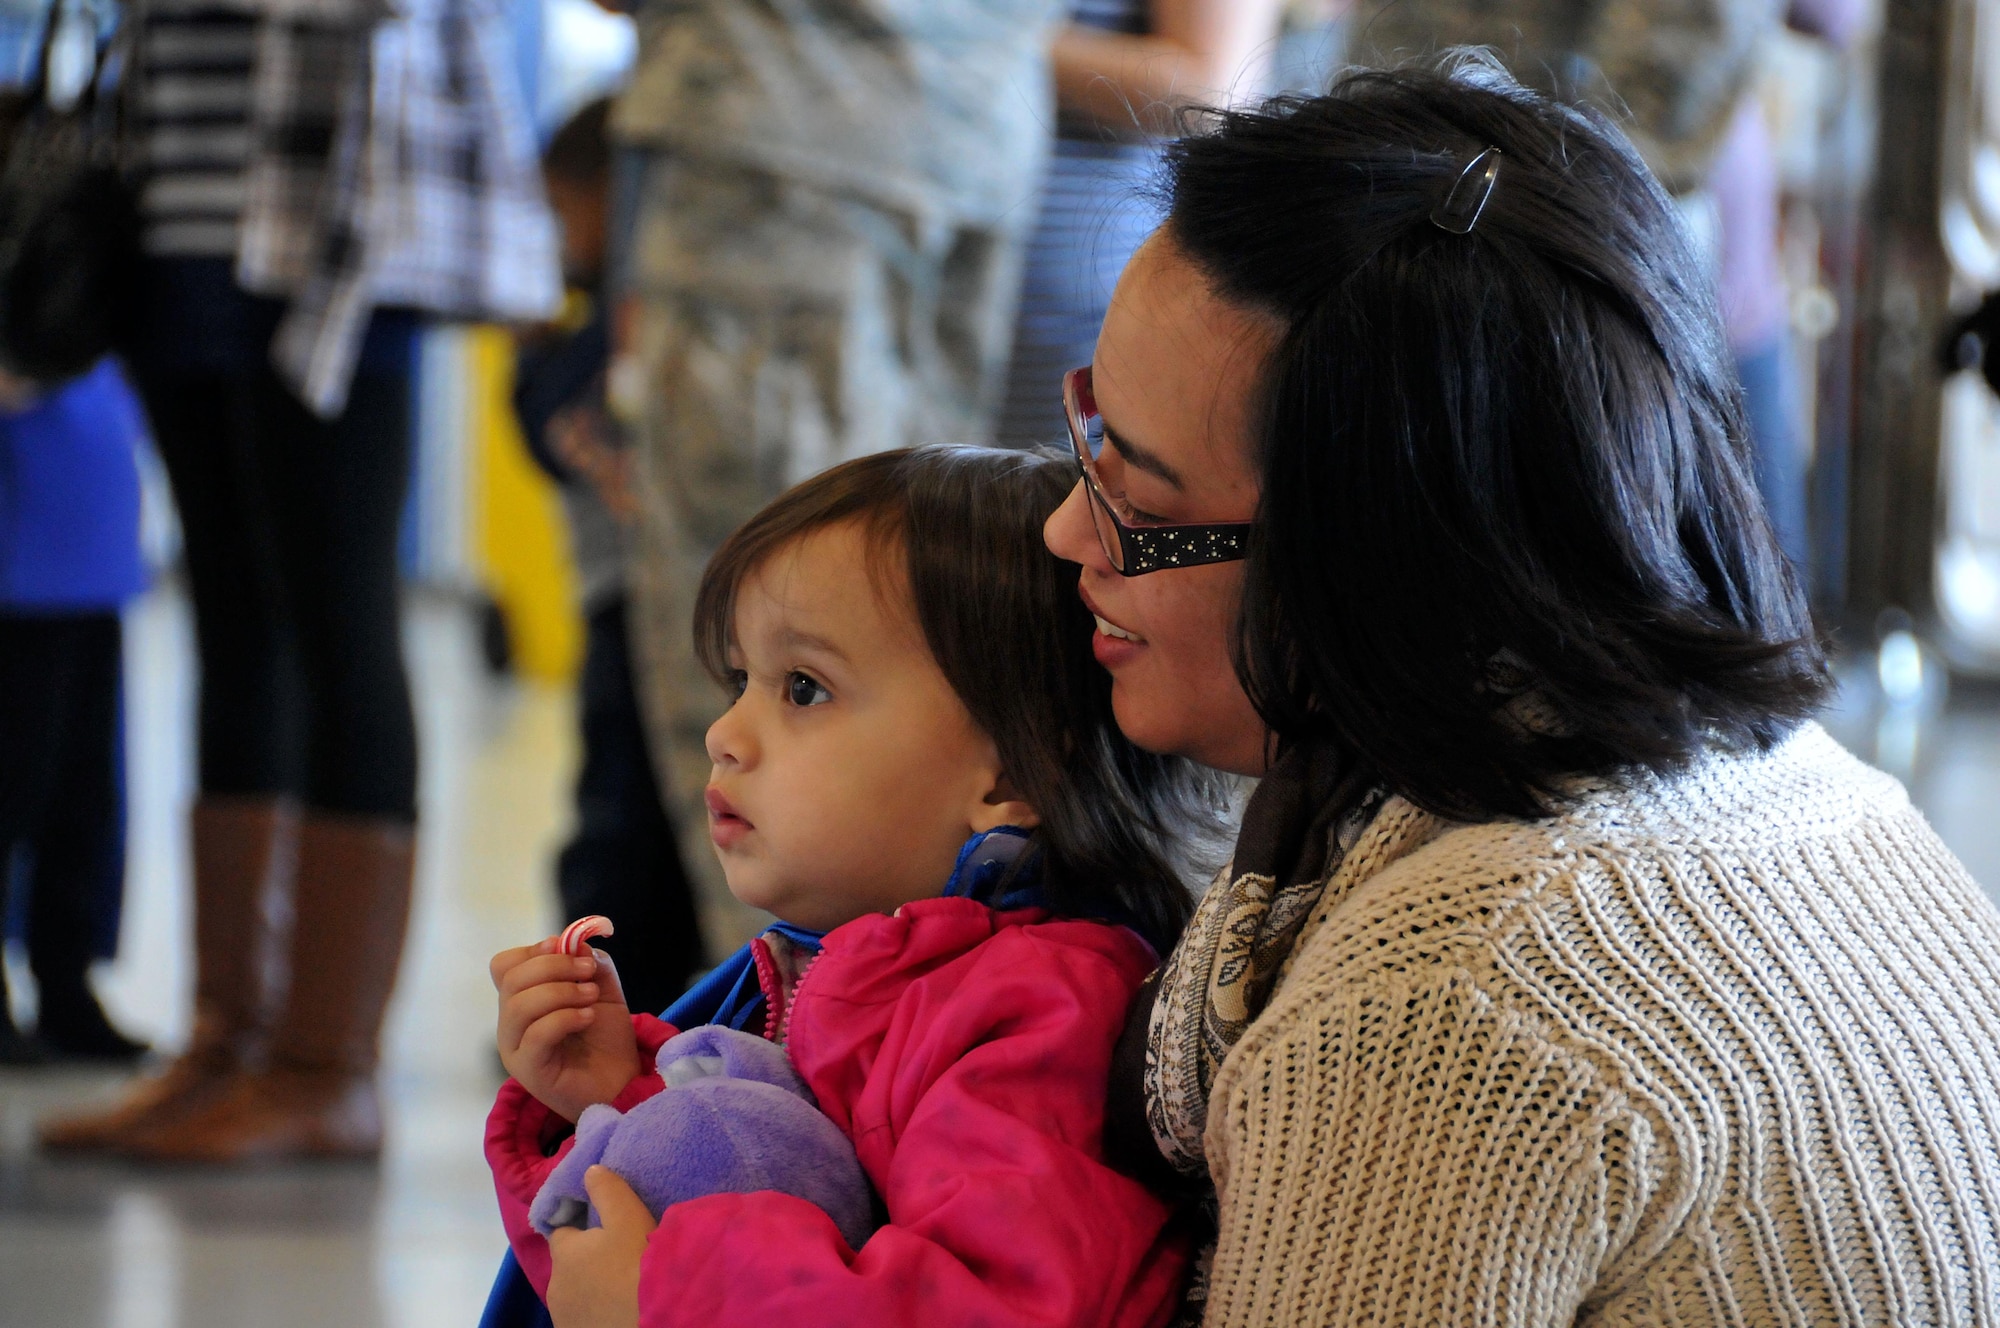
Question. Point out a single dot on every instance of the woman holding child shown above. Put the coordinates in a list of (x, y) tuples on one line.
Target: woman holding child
[(1565, 970)]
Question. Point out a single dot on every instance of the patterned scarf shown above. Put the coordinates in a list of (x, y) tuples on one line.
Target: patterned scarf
[(1306, 814)]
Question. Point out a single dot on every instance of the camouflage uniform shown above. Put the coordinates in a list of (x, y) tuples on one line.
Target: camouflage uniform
[(826, 251)]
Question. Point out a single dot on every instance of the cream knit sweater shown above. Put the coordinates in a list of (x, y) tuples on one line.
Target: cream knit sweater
[(1716, 1049)]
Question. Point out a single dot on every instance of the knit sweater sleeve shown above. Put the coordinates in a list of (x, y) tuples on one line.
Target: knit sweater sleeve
[(1412, 1148)]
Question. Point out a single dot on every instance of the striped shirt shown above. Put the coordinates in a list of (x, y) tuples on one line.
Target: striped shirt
[(1094, 213), (195, 66)]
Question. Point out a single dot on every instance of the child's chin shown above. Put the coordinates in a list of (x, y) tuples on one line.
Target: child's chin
[(800, 908), (746, 889)]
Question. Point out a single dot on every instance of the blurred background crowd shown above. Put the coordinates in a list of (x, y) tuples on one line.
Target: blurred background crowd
[(376, 379)]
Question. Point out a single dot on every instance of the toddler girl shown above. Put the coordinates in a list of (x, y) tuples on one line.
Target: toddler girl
[(914, 690)]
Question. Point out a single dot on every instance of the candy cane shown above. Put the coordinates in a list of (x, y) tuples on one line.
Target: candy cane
[(577, 936)]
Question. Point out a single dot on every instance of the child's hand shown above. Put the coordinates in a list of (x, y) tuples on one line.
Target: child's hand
[(564, 1030), (594, 1278)]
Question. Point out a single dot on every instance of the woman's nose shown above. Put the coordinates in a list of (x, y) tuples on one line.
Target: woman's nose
[(1069, 534)]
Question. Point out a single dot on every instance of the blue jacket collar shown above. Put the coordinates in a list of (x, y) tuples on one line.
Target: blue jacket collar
[(1000, 868)]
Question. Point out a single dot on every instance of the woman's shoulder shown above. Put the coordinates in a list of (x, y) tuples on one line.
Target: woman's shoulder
[(1804, 785), (1643, 893), (1456, 893)]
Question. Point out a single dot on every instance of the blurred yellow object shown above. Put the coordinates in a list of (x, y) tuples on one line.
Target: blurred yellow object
[(522, 543)]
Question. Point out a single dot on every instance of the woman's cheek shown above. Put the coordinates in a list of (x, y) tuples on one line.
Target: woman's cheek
[(1202, 618)]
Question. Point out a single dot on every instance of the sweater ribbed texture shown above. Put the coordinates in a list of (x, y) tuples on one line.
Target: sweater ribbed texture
[(1715, 1048)]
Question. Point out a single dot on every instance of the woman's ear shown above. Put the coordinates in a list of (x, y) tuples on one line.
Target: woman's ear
[(1003, 805)]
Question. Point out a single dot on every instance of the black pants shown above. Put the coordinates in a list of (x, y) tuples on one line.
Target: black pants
[(289, 524), (59, 806), (623, 861)]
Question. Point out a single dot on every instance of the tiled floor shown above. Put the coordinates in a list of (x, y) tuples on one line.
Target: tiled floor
[(415, 1243)]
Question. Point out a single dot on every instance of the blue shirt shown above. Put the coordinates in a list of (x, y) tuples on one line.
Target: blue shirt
[(69, 498)]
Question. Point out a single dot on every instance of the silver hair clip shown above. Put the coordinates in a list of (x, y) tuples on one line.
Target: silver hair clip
[(1459, 212)]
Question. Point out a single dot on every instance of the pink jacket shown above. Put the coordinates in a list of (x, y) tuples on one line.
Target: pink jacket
[(965, 1052)]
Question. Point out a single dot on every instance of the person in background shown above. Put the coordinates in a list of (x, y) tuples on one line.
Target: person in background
[(819, 254), (296, 232), (1756, 305), (69, 560), (1122, 68), (623, 861)]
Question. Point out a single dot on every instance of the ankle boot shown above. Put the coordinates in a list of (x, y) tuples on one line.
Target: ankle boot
[(315, 1096), (243, 854), (63, 904)]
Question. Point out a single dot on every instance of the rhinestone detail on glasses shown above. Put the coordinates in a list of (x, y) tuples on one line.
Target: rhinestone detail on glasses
[(1173, 547)]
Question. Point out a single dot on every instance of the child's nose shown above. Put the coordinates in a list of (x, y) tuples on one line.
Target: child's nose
[(728, 739)]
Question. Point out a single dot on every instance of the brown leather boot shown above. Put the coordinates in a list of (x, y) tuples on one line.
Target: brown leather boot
[(243, 850), (315, 1096)]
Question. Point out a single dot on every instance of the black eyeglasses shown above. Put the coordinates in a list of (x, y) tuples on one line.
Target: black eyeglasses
[(1135, 550)]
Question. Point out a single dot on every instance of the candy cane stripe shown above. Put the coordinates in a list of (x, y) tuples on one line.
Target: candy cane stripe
[(577, 936)]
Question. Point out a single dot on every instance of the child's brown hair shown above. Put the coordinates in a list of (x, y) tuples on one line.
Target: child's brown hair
[(1002, 618)]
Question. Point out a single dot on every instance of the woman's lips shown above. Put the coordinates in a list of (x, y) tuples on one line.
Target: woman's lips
[(1111, 643), (1114, 651), (725, 824)]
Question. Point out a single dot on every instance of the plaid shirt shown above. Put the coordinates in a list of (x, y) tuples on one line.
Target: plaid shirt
[(394, 164)]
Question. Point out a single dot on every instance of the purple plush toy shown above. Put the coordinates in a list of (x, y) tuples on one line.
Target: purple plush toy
[(735, 1117)]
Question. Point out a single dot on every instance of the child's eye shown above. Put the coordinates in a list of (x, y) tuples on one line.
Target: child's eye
[(739, 682), (804, 690)]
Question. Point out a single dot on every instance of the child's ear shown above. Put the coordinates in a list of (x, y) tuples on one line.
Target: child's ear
[(1003, 805)]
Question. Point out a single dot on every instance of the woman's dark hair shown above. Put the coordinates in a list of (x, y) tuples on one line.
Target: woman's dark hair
[(1509, 532), (1002, 618)]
